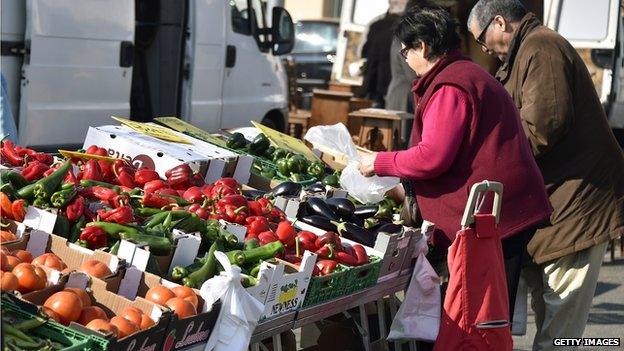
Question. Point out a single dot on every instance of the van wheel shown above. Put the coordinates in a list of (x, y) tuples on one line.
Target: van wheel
[(274, 120)]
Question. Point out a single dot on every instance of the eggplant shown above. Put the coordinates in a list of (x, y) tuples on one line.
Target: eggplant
[(319, 207), (389, 228), (366, 211), (286, 189), (253, 194), (317, 187), (319, 222), (355, 220), (341, 206), (357, 234)]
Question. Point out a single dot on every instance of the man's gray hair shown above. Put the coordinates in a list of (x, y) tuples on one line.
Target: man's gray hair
[(485, 10)]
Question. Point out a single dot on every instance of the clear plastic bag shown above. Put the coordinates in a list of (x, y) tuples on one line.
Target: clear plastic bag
[(364, 189)]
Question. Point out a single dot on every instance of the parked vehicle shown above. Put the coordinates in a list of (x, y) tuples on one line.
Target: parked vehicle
[(72, 64), (314, 54)]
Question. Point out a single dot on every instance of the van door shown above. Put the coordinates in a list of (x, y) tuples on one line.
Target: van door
[(254, 80), (77, 69), (204, 64)]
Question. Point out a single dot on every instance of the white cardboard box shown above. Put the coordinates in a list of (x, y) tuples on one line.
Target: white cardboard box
[(144, 151)]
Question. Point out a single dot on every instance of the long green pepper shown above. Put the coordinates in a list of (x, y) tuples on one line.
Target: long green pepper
[(46, 186)]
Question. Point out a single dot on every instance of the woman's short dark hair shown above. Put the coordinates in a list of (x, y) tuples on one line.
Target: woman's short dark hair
[(432, 25)]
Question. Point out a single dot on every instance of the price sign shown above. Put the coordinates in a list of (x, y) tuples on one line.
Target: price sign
[(152, 130), (83, 156), (287, 142), (190, 130)]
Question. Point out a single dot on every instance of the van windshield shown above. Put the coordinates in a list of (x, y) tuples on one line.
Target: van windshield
[(315, 37)]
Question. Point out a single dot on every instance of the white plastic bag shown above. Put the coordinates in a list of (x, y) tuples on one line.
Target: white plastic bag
[(364, 189), (418, 318), (239, 312)]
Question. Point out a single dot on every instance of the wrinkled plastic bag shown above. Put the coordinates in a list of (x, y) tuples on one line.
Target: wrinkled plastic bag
[(240, 311), (364, 189), (418, 318)]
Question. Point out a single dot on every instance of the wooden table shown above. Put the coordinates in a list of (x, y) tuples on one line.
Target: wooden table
[(380, 130), (298, 117)]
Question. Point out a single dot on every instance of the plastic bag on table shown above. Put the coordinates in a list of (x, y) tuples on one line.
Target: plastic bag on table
[(364, 189), (418, 318), (239, 313)]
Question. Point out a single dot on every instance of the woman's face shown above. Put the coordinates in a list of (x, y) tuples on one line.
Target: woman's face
[(415, 58)]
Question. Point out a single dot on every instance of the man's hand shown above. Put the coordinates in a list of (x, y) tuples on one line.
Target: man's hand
[(367, 164)]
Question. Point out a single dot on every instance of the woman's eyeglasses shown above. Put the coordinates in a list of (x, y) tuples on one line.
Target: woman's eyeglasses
[(404, 52)]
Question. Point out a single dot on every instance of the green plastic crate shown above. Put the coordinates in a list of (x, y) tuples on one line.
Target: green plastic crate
[(71, 339), (325, 288), (362, 277)]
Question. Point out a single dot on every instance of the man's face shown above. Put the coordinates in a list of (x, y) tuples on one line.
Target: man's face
[(493, 38)]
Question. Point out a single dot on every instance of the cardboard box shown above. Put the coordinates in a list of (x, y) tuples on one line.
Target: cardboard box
[(145, 151), (288, 286), (224, 163), (181, 333), (112, 304), (334, 159), (40, 242), (21, 231)]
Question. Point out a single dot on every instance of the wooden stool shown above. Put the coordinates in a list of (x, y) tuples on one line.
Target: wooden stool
[(330, 107), (380, 130), (301, 118)]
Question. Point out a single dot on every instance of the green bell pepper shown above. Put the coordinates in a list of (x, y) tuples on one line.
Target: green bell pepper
[(283, 167), (280, 154), (332, 180), (316, 170), (297, 164), (236, 141), (259, 145)]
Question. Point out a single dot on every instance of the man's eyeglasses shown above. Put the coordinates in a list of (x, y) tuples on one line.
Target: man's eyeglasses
[(481, 37), (404, 52)]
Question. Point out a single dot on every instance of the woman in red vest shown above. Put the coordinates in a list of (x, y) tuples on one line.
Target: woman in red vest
[(466, 130)]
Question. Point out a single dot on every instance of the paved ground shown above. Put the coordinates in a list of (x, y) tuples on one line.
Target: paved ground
[(606, 318)]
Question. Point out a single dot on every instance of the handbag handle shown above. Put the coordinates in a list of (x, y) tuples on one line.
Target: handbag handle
[(476, 190)]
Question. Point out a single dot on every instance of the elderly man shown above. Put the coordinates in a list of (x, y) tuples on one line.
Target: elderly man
[(582, 165)]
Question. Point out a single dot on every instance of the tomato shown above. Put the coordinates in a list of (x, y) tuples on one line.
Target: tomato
[(159, 294), (6, 236), (29, 277), (125, 326), (23, 255), (4, 262), (95, 268), (186, 293), (66, 304), (48, 312), (9, 281), (12, 261), (181, 307), (84, 297), (90, 313), (146, 322), (132, 314), (50, 260), (103, 326)]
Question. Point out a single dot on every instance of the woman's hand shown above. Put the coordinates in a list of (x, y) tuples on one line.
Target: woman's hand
[(367, 164)]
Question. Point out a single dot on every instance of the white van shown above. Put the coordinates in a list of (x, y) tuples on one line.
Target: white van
[(71, 64)]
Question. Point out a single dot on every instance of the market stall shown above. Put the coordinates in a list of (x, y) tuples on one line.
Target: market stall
[(137, 221)]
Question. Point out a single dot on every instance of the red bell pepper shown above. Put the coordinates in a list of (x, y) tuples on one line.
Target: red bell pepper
[(144, 175), (255, 208), (9, 153), (42, 157), (18, 209), (167, 192), (95, 237), (257, 226), (234, 214), (307, 235), (96, 150), (154, 185), (286, 233), (34, 171), (328, 238), (207, 189), (197, 180), (124, 173), (92, 171), (267, 237), (193, 195), (326, 251), (202, 212), (276, 215), (229, 182), (120, 200), (345, 258), (70, 178), (307, 244), (155, 200), (6, 206), (23, 151), (234, 200), (326, 266), (107, 170), (219, 191), (360, 254), (179, 175), (99, 192), (294, 259), (121, 215), (75, 209)]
